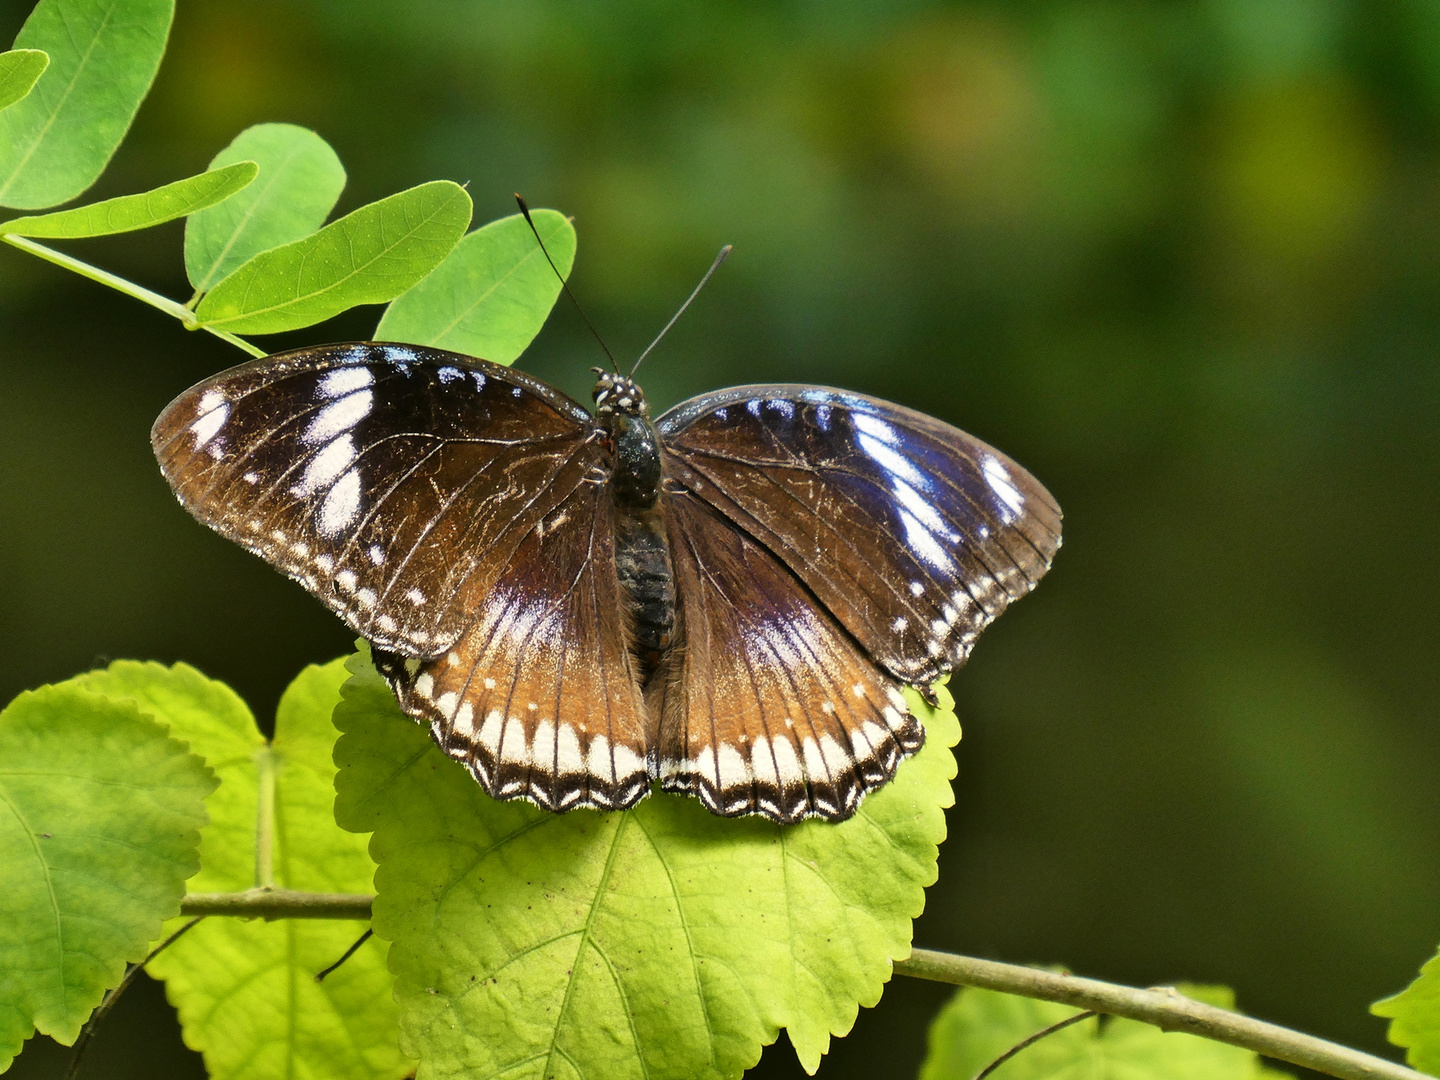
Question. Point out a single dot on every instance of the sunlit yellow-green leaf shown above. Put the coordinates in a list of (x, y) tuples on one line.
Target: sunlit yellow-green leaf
[(369, 256), (100, 817), (131, 212), (658, 942), (20, 70), (491, 295), (300, 180), (1414, 1016), (245, 990), (103, 58)]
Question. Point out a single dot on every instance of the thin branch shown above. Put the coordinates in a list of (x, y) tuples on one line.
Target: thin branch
[(114, 995), (279, 904), (129, 288), (1167, 1009)]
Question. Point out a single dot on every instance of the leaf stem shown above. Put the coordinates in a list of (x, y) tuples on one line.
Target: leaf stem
[(129, 288), (1165, 1007), (114, 995), (1032, 1040)]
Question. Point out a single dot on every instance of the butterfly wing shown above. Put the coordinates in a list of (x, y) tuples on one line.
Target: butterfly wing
[(539, 698), (913, 534), (769, 707), (452, 512), (395, 483)]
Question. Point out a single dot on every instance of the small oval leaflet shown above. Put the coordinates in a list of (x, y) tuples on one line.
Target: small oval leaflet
[(726, 600)]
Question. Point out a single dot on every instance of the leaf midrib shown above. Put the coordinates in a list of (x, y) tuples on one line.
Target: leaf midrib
[(524, 261), (585, 937), (298, 299)]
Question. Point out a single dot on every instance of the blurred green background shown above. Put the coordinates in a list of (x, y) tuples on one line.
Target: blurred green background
[(1180, 259)]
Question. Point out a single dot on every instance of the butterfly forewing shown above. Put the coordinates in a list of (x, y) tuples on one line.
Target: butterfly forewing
[(913, 534), (394, 483), (770, 707), (538, 697)]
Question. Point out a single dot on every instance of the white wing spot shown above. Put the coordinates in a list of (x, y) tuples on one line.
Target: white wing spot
[(858, 689), (346, 579), (213, 420), (1000, 481), (415, 596), (340, 416), (489, 684), (916, 588), (899, 625), (377, 554), (325, 466), (341, 505), (345, 380), (251, 478)]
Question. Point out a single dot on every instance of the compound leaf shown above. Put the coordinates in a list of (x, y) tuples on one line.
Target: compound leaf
[(100, 817), (245, 991), (977, 1026), (369, 256), (659, 942), (1414, 1016), (20, 70), (300, 180), (103, 58), (131, 212), (491, 295)]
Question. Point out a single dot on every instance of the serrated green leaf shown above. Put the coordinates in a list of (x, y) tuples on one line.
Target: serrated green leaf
[(369, 256), (491, 295), (100, 817), (20, 70), (103, 58), (300, 180), (245, 991), (131, 212), (977, 1026), (1414, 1016), (660, 942)]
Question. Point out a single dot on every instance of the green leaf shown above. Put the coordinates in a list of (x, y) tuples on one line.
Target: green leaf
[(131, 212), (491, 295), (367, 257), (100, 817), (660, 942), (300, 181), (1414, 1016), (977, 1026), (103, 58), (245, 991), (20, 70)]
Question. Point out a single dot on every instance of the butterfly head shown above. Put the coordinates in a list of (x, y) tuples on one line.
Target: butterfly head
[(615, 393)]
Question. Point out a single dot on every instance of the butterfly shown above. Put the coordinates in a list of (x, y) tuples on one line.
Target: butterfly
[(727, 599)]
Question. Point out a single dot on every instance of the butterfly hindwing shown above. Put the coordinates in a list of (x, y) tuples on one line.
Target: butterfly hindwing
[(913, 534), (538, 697), (394, 482), (769, 707)]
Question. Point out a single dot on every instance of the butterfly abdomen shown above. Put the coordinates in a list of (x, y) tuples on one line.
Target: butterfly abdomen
[(642, 554)]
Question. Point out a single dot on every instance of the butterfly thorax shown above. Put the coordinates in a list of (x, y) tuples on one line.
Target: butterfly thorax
[(642, 555)]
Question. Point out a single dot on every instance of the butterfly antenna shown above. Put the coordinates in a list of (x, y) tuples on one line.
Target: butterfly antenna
[(524, 209), (724, 254)]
